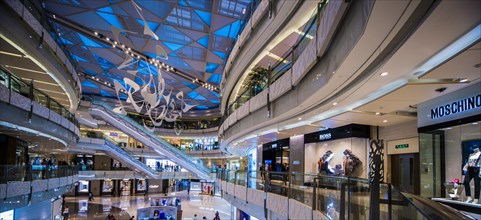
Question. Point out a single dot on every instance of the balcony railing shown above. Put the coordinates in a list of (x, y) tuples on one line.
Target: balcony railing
[(10, 173), (26, 89), (282, 65), (334, 197)]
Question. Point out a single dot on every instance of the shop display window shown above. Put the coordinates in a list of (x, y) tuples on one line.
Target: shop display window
[(108, 186), (125, 187), (141, 185), (83, 186), (448, 157)]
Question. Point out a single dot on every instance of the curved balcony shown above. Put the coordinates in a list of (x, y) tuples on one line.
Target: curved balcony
[(26, 108), (44, 49), (24, 185), (333, 78)]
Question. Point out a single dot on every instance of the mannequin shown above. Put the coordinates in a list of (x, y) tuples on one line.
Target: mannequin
[(323, 163), (472, 171), (351, 162)]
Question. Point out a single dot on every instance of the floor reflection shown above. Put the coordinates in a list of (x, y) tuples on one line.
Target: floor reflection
[(124, 207)]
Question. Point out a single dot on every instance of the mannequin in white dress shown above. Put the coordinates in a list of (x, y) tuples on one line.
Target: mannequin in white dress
[(472, 172)]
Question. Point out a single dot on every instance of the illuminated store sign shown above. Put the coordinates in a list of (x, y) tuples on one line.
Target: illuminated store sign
[(456, 107), (325, 136), (401, 146)]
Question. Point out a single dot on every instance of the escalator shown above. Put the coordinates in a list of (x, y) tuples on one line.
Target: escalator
[(132, 128), (113, 150)]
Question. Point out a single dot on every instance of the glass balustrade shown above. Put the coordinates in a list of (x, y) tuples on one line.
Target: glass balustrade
[(339, 197), (9, 173), (15, 84)]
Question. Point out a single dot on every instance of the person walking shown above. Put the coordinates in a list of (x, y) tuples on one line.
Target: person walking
[(132, 218), (216, 215), (91, 196), (195, 217)]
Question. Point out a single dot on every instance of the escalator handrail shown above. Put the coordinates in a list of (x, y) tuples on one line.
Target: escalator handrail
[(440, 211), (107, 108), (132, 158)]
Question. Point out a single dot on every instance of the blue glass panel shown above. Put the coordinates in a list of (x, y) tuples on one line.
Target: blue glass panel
[(172, 55), (152, 25), (235, 29), (201, 107), (205, 16), (89, 72), (106, 9), (178, 63), (181, 2), (215, 94), (229, 30), (215, 102), (172, 46), (79, 58), (196, 96), (170, 34), (106, 94), (88, 42), (87, 83), (112, 19), (215, 78), (159, 8), (220, 54), (204, 41), (211, 67), (190, 85), (65, 41)]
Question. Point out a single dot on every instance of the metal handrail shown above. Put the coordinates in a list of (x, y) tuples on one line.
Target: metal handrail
[(11, 79), (131, 124), (345, 186), (276, 75)]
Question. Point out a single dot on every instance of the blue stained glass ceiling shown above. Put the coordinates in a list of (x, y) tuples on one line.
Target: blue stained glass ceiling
[(186, 29)]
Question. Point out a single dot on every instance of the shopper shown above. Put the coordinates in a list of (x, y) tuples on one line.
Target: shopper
[(204, 218), (195, 217), (91, 196), (132, 218), (216, 215)]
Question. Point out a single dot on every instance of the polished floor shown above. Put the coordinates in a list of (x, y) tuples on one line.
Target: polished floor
[(126, 206)]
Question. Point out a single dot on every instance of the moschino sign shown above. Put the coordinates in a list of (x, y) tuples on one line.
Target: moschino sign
[(458, 106)]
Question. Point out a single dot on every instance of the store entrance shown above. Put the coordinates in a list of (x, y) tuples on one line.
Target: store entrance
[(405, 172)]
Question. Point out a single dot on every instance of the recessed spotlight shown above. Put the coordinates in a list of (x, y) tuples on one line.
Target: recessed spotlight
[(463, 80), (449, 128), (96, 33), (299, 119), (384, 121), (335, 103), (475, 123), (378, 113), (384, 73)]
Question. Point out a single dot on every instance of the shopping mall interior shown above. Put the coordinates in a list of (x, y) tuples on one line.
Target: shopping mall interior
[(240, 109)]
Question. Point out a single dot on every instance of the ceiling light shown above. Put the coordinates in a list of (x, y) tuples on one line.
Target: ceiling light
[(96, 34), (335, 103), (384, 121), (378, 113), (384, 73), (299, 118), (475, 123), (107, 39), (463, 80), (449, 128)]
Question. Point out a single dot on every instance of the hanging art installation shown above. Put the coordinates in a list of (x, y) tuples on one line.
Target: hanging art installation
[(152, 96)]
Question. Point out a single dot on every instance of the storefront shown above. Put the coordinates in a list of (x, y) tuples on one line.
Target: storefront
[(449, 129), (275, 155), (338, 151), (107, 187)]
